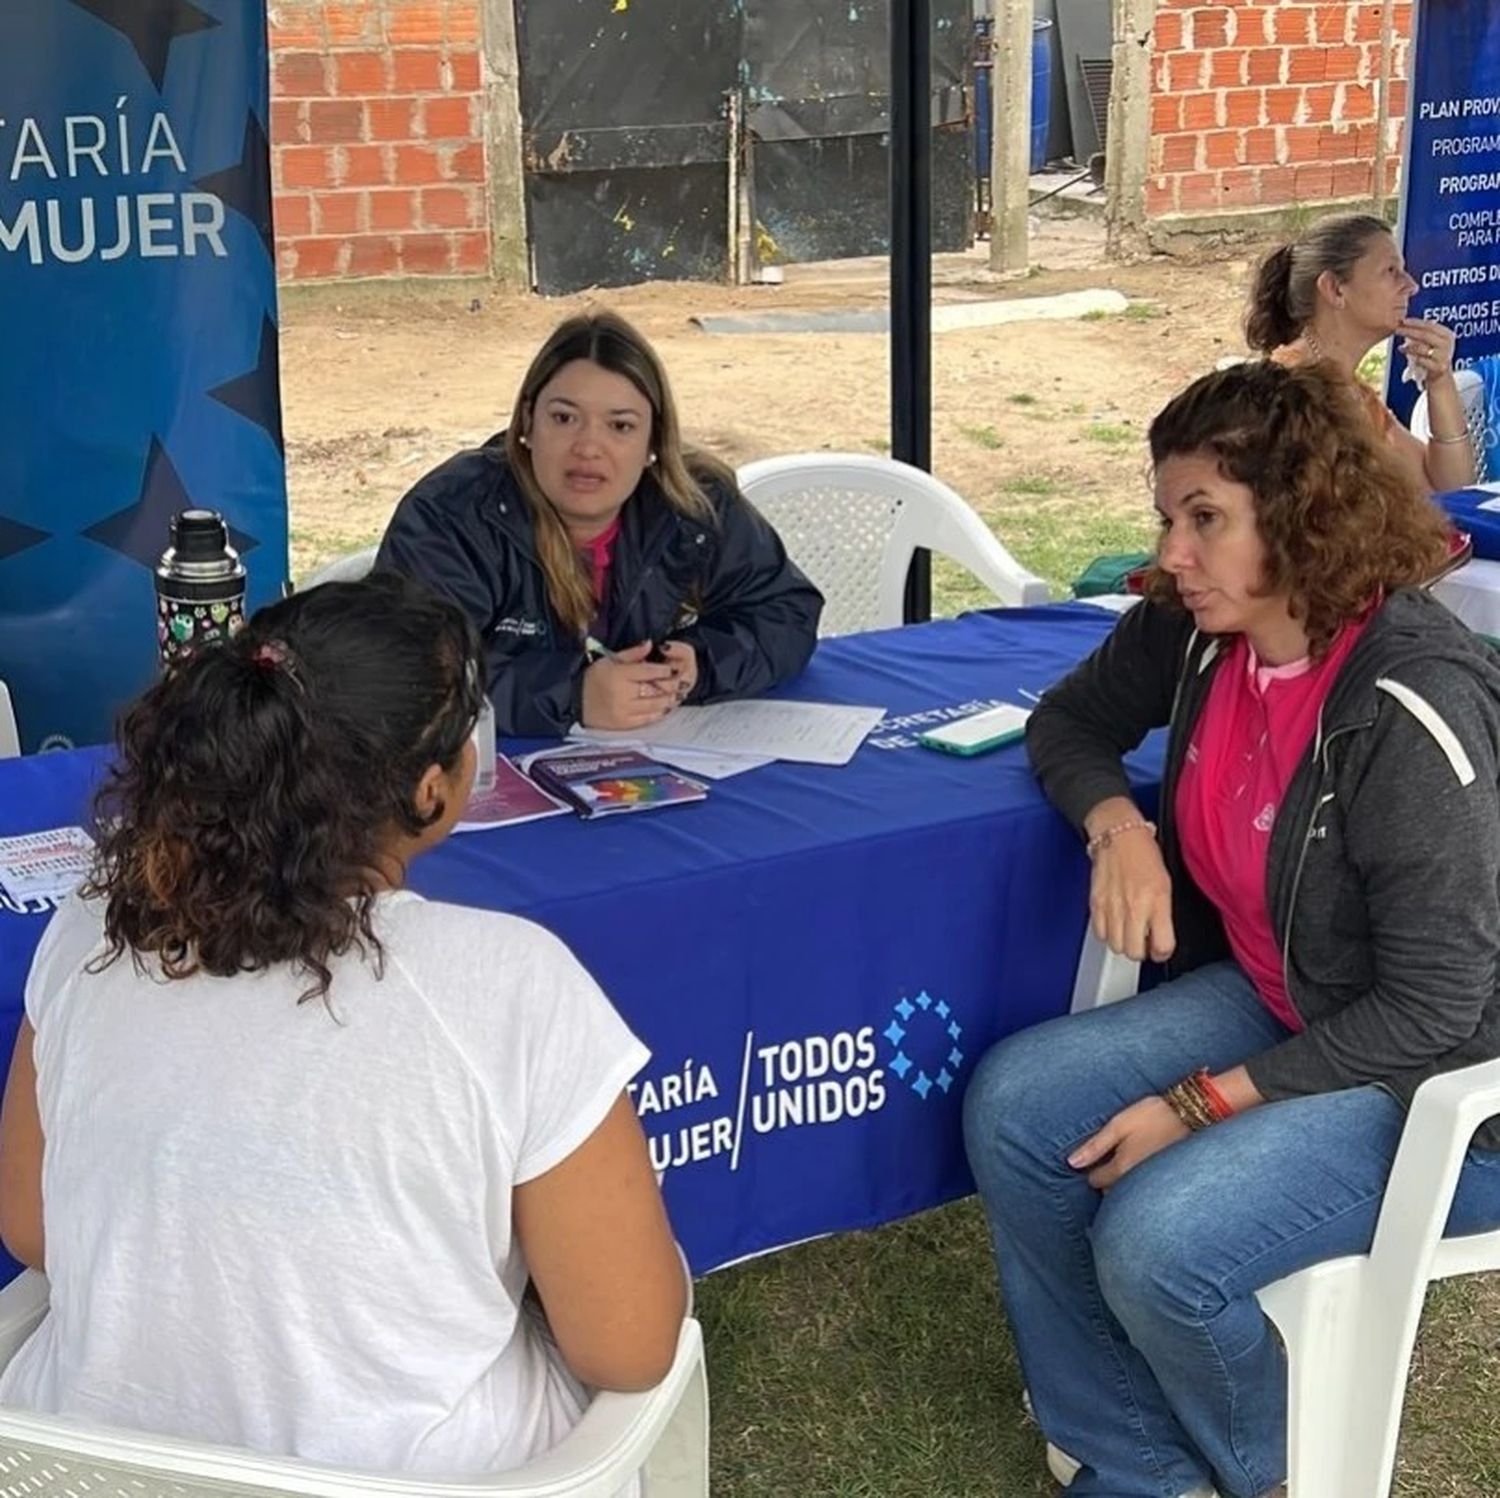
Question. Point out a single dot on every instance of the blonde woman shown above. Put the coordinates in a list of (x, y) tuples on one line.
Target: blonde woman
[(612, 573), (1335, 293)]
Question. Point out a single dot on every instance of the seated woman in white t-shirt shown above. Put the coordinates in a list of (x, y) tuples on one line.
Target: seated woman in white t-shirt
[(289, 1141)]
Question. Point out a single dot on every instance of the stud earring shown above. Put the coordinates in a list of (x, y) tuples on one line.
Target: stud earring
[(525, 440), (650, 459)]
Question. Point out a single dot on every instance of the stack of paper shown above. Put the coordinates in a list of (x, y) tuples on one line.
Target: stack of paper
[(810, 733)]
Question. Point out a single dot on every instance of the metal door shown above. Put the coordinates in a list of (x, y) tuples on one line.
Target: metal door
[(625, 140)]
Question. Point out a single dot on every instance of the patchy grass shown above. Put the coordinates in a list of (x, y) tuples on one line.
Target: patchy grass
[(1131, 312), (1022, 398), (985, 436), (1110, 434), (1030, 483), (1372, 367)]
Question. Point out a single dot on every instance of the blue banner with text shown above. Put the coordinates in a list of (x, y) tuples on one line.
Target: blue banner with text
[(1450, 211), (138, 294)]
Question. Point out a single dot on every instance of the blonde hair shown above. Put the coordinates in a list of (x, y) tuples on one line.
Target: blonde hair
[(1284, 295), (605, 339)]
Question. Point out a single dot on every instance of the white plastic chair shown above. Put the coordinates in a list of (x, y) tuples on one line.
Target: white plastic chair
[(852, 521), (10, 734), (1471, 393), (345, 569), (661, 1433), (1349, 1324)]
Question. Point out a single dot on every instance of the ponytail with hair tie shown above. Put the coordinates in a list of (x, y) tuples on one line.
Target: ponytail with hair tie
[(271, 656), (1269, 320)]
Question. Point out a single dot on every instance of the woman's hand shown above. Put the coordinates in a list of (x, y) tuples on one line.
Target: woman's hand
[(683, 660), (1429, 345), (1130, 896), (1132, 1135), (627, 691)]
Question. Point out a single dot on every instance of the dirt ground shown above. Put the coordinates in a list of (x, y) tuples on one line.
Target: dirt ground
[(383, 381)]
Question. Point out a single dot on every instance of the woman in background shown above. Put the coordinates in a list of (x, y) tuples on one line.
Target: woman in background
[(612, 572), (291, 1142), (1335, 294)]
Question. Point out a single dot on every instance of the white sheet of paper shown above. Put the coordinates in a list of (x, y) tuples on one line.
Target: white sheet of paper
[(45, 865), (810, 733), (1490, 504)]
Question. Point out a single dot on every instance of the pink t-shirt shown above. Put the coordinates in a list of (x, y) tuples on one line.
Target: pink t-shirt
[(600, 554), (1249, 740)]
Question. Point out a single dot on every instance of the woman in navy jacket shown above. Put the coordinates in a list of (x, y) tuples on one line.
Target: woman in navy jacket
[(612, 574)]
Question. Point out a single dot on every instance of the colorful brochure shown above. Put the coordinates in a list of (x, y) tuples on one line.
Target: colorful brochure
[(599, 782), (512, 799), (45, 865)]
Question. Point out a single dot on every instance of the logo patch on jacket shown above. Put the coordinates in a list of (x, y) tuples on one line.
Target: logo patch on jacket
[(527, 628)]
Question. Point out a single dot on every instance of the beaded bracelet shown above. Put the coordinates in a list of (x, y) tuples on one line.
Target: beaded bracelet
[(1197, 1101), (1103, 839)]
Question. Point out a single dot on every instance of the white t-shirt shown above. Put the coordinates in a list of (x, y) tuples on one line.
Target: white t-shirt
[(273, 1226)]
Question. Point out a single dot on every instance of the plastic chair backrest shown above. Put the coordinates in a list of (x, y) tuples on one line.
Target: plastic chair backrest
[(10, 733), (345, 569), (1471, 392), (851, 522), (661, 1433)]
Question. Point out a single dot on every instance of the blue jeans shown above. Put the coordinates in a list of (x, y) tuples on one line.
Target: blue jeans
[(1134, 1312)]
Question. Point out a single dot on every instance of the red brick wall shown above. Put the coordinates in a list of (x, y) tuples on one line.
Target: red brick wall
[(1263, 105), (376, 138)]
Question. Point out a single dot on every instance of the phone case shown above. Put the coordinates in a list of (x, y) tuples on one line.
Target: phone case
[(967, 751)]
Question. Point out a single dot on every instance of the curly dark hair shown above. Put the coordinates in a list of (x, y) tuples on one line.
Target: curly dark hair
[(243, 821), (1341, 520)]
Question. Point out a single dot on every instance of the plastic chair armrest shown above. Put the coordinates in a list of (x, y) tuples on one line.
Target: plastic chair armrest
[(23, 1303), (615, 1436), (1444, 1115)]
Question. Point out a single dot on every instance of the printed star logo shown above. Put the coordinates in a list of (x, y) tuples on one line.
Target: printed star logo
[(150, 26), (143, 530), (256, 394), (908, 1017), (16, 538), (246, 186)]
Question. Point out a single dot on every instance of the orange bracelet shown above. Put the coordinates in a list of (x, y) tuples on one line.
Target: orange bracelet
[(1216, 1099)]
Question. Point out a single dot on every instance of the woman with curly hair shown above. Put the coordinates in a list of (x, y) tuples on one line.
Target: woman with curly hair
[(292, 1142), (1322, 888)]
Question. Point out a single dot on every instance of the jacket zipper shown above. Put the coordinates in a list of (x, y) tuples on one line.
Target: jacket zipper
[(1169, 779), (650, 556), (1320, 755)]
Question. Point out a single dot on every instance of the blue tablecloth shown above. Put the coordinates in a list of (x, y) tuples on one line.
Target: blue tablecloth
[(1463, 506), (816, 957)]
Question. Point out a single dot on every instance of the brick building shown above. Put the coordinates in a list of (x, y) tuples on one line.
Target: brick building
[(377, 123), (1269, 105), (376, 132)]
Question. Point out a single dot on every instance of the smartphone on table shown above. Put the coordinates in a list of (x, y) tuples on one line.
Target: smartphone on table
[(979, 733)]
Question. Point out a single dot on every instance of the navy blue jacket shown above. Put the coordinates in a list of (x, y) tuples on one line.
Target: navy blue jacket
[(725, 586)]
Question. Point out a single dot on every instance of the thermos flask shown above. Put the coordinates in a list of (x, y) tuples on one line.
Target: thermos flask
[(200, 587)]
